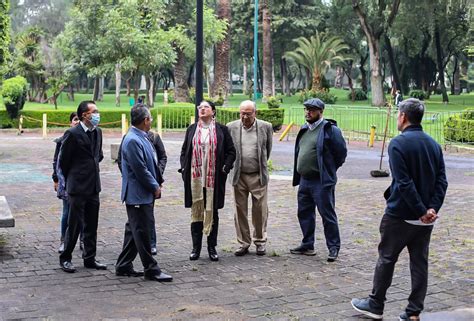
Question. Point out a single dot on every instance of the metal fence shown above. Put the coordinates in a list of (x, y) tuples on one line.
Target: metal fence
[(355, 122)]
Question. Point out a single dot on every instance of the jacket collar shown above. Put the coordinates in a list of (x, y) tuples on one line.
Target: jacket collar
[(413, 128)]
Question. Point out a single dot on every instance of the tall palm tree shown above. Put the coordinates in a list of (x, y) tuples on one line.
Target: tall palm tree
[(317, 54)]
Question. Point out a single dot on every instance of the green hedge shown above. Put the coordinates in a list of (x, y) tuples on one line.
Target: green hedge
[(173, 117), (460, 127)]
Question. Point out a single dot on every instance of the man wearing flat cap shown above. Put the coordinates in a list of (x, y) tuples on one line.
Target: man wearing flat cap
[(320, 150)]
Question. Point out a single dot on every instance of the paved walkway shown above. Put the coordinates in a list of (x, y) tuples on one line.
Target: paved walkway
[(276, 286)]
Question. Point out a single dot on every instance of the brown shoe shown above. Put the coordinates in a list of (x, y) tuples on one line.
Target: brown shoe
[(241, 251), (261, 250)]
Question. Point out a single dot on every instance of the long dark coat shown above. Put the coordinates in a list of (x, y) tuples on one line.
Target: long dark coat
[(225, 161)]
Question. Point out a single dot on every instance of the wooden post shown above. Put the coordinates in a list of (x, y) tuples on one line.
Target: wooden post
[(159, 124), (165, 97), (20, 125), (45, 125), (124, 125)]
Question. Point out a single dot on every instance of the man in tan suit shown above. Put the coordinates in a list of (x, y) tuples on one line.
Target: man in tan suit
[(253, 143)]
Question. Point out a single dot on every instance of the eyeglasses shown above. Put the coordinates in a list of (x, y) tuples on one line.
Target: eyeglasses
[(203, 106), (246, 114)]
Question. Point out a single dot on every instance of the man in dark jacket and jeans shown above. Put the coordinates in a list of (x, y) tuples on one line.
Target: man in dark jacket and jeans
[(413, 201), (320, 150)]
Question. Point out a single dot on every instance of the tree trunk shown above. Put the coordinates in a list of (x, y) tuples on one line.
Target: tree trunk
[(376, 79), (267, 49), (136, 85), (118, 82), (95, 95), (70, 94), (101, 88), (348, 73), (439, 62), (284, 77), (150, 85), (181, 89), (339, 77), (393, 65), (128, 85), (244, 83), (373, 35), (363, 73), (456, 88), (220, 85)]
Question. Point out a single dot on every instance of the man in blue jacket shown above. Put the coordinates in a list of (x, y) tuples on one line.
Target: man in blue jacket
[(320, 150), (140, 188), (413, 201)]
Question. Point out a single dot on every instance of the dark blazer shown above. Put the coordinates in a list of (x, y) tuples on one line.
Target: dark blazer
[(332, 152), (418, 172), (79, 161), (139, 169), (155, 139), (225, 161)]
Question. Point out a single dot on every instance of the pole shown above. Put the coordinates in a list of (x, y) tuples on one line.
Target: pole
[(124, 125), (45, 125), (199, 54), (255, 51)]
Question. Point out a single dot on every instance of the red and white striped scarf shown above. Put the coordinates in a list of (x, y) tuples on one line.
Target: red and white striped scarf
[(198, 156), (199, 212)]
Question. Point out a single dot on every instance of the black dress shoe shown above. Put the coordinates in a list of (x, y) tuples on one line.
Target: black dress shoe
[(95, 265), (67, 266), (213, 253), (162, 277), (195, 253), (130, 272)]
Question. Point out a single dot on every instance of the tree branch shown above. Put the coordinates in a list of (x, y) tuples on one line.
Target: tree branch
[(363, 19)]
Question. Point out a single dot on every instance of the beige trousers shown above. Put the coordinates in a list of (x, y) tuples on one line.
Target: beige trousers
[(250, 184)]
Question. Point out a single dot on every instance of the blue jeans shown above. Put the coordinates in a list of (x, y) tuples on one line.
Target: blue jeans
[(64, 218), (312, 194)]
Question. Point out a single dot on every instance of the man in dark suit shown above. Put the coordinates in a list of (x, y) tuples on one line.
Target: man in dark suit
[(414, 199), (80, 154), (140, 188)]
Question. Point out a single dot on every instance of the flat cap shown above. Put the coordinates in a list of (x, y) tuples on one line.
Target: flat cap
[(314, 103)]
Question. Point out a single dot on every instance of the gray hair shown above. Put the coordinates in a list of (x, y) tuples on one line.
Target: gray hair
[(413, 110), (138, 114), (245, 102)]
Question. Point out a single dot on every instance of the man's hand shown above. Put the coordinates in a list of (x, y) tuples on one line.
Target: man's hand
[(157, 193), (56, 186), (429, 217)]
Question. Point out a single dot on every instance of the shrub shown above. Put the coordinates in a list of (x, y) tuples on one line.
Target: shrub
[(322, 94), (419, 94), (359, 94), (273, 116), (460, 127), (173, 117), (14, 95), (171, 96), (272, 102)]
